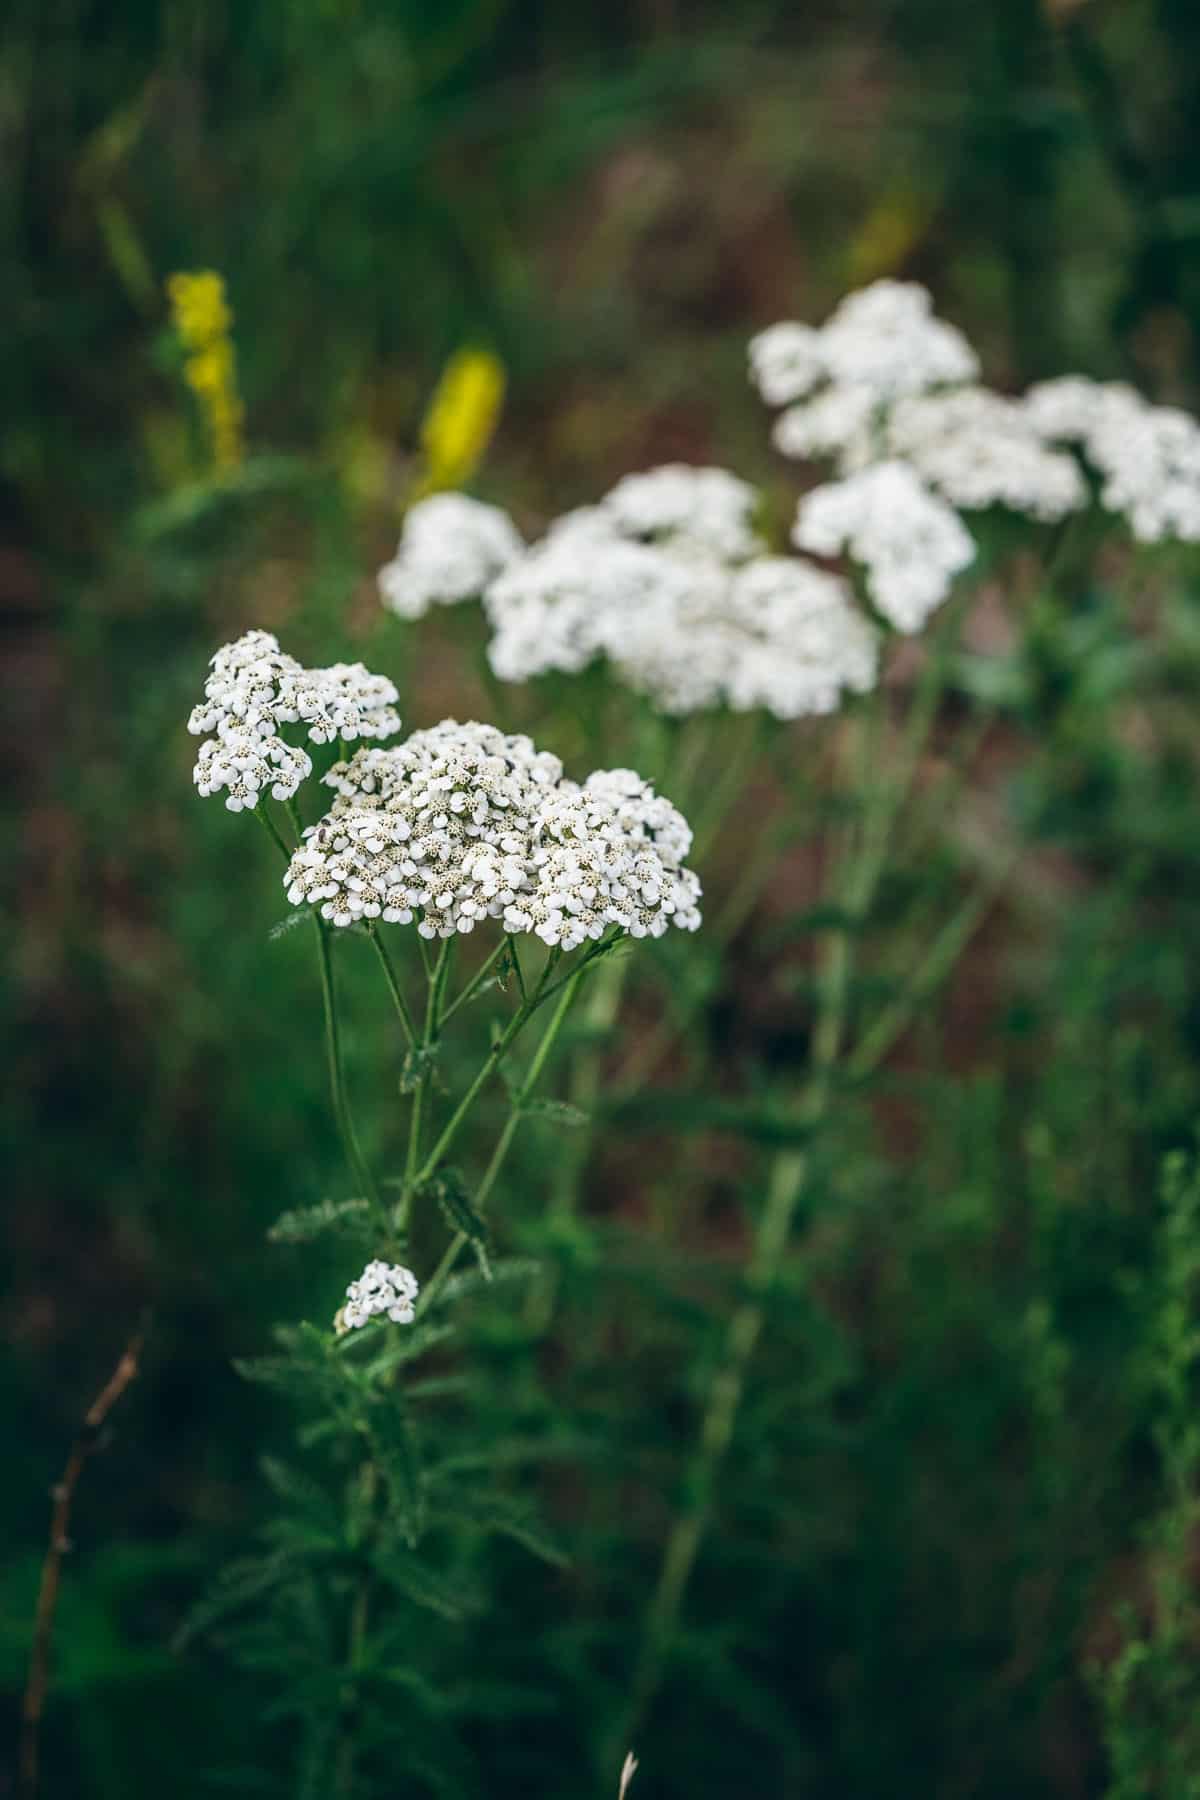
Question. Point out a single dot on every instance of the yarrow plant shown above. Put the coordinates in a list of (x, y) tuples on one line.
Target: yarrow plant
[(675, 582), (457, 829), (675, 586)]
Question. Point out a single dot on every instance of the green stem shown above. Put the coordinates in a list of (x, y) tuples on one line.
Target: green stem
[(728, 785), (477, 980), (393, 981), (264, 817), (356, 1644), (789, 1170), (433, 1021), (504, 1142), (337, 1081), (492, 1062)]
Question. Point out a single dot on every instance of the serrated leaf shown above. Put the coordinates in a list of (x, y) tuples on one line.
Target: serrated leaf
[(450, 1192), (471, 1281), (301, 1492), (425, 1587), (413, 1341), (390, 1430), (420, 1064), (501, 1516), (558, 1112), (307, 1222), (283, 927), (237, 1584)]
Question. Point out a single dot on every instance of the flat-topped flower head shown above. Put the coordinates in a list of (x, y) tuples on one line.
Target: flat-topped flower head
[(887, 338), (463, 823), (1148, 457), (594, 865), (778, 633), (438, 825), (841, 424), (451, 547), (572, 595), (254, 689), (977, 450), (909, 542), (879, 343), (382, 1291), (708, 507), (786, 362)]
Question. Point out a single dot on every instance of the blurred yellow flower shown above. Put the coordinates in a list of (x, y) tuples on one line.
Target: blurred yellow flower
[(888, 234), (203, 321), (461, 418)]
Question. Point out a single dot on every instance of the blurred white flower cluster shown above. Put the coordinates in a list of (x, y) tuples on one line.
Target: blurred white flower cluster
[(668, 578), (885, 382), (450, 548), (910, 544), (881, 342), (253, 689), (383, 1290), (1147, 457), (462, 823)]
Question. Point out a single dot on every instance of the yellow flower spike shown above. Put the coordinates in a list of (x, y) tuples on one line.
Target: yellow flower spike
[(890, 232), (203, 321), (461, 418)]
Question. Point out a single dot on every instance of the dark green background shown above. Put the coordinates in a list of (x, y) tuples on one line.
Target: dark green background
[(915, 1565)]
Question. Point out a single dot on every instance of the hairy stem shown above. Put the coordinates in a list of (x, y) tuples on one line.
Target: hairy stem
[(491, 1063), (504, 1141), (393, 981), (337, 1080)]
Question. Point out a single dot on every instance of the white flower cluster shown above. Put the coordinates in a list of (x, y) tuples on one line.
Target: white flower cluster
[(703, 507), (778, 633), (884, 380), (383, 1290), (607, 853), (253, 689), (910, 543), (881, 342), (888, 393), (978, 449), (668, 580), (1148, 457), (461, 823), (450, 548)]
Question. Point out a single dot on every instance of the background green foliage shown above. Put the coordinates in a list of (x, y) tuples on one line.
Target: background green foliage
[(954, 1550)]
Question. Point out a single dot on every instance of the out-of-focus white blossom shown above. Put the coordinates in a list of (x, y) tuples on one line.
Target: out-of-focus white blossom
[(383, 1290), (887, 338), (978, 449), (708, 507), (680, 623), (253, 688), (786, 362), (1148, 457), (450, 548), (883, 341), (909, 542), (462, 823), (778, 633), (573, 594), (1069, 408), (841, 423)]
